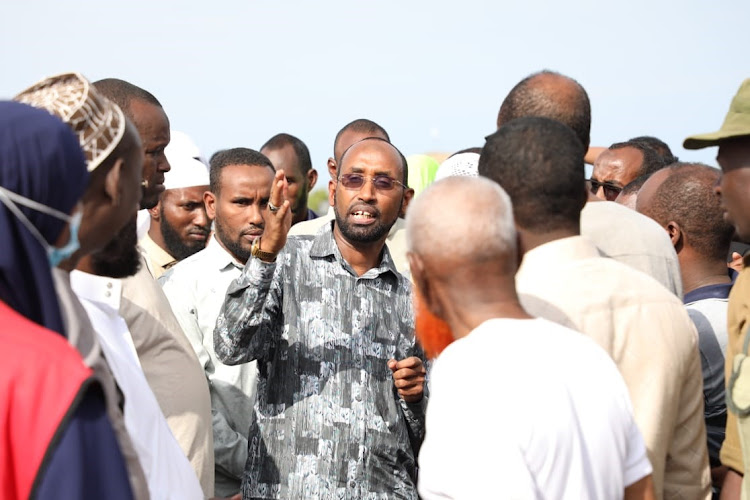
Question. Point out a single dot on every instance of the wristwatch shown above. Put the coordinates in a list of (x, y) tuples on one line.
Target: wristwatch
[(255, 251)]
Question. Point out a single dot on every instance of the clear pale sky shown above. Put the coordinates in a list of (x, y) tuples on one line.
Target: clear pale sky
[(432, 73)]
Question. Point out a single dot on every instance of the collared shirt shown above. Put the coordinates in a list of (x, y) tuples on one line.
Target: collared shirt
[(396, 240), (168, 472), (172, 370), (633, 239), (82, 336), (195, 289), (648, 333), (328, 420), (158, 260), (707, 307)]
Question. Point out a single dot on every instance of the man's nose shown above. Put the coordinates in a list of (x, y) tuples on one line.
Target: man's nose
[(201, 217), (255, 215), (163, 164), (367, 191)]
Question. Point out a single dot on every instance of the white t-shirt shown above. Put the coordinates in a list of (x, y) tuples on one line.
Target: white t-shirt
[(528, 409)]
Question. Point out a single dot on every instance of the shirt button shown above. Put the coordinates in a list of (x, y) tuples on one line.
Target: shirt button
[(352, 484), (109, 284), (107, 294)]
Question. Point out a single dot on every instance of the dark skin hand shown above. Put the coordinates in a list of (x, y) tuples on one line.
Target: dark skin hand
[(408, 377)]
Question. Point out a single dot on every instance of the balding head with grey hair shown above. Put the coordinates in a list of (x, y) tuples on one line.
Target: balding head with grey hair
[(474, 223), (462, 251)]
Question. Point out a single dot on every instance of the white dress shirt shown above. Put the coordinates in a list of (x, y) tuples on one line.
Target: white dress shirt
[(195, 288), (167, 469)]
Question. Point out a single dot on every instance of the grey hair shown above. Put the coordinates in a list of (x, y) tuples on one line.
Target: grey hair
[(469, 218)]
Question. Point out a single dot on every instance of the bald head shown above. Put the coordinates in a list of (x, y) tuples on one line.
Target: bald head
[(549, 95), (682, 196), (478, 216)]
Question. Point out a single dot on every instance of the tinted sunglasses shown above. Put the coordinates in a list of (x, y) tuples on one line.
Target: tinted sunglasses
[(356, 181), (610, 190)]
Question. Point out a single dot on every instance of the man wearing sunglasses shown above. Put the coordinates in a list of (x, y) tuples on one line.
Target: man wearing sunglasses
[(619, 165), (340, 406)]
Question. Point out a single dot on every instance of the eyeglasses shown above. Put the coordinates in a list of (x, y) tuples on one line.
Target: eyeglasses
[(381, 182), (610, 190)]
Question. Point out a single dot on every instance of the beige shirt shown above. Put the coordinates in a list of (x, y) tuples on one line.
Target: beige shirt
[(158, 260), (735, 451), (633, 239), (396, 240), (172, 371), (648, 333)]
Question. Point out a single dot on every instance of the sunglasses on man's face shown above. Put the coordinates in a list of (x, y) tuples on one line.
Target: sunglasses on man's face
[(356, 181), (610, 190)]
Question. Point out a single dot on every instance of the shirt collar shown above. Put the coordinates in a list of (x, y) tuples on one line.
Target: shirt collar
[(324, 245), (221, 258), (720, 291), (156, 254), (101, 289), (545, 256)]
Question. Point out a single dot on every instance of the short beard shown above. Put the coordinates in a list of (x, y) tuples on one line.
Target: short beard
[(176, 247), (120, 257), (234, 247), (433, 333), (364, 234)]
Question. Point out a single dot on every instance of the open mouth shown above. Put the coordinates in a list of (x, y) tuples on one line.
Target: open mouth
[(364, 215)]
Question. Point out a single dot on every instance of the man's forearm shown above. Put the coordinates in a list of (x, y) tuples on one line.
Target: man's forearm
[(247, 312)]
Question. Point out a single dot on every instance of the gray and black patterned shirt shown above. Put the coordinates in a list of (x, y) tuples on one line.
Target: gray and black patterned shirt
[(329, 422)]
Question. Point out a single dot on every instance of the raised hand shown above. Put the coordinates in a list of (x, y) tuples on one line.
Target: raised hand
[(278, 218)]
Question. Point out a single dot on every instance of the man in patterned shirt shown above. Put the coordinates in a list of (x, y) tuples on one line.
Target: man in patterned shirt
[(340, 406)]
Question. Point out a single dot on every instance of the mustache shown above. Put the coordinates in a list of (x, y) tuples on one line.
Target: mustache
[(200, 230), (253, 229)]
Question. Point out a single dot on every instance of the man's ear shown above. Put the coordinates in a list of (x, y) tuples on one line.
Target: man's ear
[(416, 268), (331, 192), (408, 195), (209, 199), (312, 178), (427, 292), (112, 182), (155, 211), (675, 234), (332, 168)]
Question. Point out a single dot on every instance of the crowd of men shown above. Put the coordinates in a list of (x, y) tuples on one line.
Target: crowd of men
[(492, 326)]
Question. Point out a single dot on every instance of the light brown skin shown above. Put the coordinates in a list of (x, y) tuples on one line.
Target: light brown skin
[(110, 199), (299, 184), (185, 211), (408, 374)]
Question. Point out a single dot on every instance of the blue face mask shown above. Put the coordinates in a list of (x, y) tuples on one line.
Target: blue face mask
[(55, 255)]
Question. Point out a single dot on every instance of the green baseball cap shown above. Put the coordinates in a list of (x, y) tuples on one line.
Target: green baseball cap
[(736, 124)]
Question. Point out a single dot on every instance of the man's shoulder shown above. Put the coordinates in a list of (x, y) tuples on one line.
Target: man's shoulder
[(185, 269), (607, 221)]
